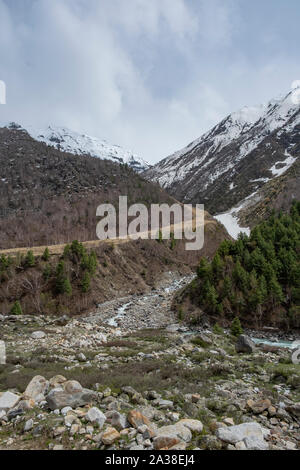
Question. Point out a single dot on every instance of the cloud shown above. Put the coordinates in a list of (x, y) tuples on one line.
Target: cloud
[(148, 75)]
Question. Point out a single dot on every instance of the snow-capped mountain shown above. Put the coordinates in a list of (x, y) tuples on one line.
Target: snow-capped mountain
[(228, 166), (81, 144)]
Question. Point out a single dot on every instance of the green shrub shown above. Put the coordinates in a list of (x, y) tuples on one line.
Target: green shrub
[(236, 327), (217, 329), (29, 259), (16, 309), (46, 254)]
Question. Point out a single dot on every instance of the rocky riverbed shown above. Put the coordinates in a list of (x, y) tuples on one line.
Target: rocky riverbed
[(128, 376)]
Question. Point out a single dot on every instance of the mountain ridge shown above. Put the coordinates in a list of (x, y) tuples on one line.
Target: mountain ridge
[(228, 165), (76, 143)]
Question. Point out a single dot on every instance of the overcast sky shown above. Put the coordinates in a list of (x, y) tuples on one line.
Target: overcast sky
[(150, 75)]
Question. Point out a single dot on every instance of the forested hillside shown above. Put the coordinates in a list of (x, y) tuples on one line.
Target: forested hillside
[(256, 278)]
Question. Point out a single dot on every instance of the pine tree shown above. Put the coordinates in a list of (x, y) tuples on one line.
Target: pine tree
[(212, 298), (204, 270), (47, 272), (62, 284), (217, 267), (275, 291), (16, 309), (29, 259), (236, 327), (86, 282), (217, 329), (46, 254), (227, 287), (67, 288)]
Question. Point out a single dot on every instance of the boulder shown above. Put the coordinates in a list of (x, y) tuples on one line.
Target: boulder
[(234, 434), (110, 436), (94, 415), (117, 420), (136, 419), (294, 409), (193, 425), (255, 443), (244, 344), (8, 400), (28, 425), (169, 436), (57, 381), (70, 393), (38, 335), (259, 406), (163, 404), (2, 353), (36, 389)]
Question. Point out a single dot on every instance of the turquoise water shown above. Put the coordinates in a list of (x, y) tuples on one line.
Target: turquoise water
[(280, 344)]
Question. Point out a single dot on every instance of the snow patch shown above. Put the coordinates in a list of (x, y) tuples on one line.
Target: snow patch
[(287, 163), (231, 224)]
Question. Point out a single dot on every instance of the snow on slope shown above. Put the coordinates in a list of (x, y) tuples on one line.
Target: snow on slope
[(81, 144), (249, 126), (231, 224)]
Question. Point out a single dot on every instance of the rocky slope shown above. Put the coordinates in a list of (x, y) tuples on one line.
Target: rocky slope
[(84, 384), (48, 196), (229, 166)]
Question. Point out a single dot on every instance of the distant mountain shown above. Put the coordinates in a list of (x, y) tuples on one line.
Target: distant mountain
[(228, 167), (50, 196), (81, 144)]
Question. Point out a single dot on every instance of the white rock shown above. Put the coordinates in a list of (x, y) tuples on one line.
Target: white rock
[(38, 335), (177, 430), (240, 445), (8, 400), (37, 388), (28, 425), (94, 415), (193, 425), (81, 357), (255, 443), (234, 434), (66, 410), (2, 353)]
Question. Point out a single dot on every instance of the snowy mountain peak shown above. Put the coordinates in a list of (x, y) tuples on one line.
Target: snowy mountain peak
[(234, 160), (73, 142)]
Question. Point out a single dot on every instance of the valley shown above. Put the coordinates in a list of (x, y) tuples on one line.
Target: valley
[(143, 345), (129, 376)]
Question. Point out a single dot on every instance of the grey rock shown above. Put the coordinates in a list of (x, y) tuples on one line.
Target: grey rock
[(94, 415), (38, 335), (294, 409), (70, 394), (244, 344), (37, 388), (117, 420), (8, 400), (255, 443), (28, 425), (234, 434)]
